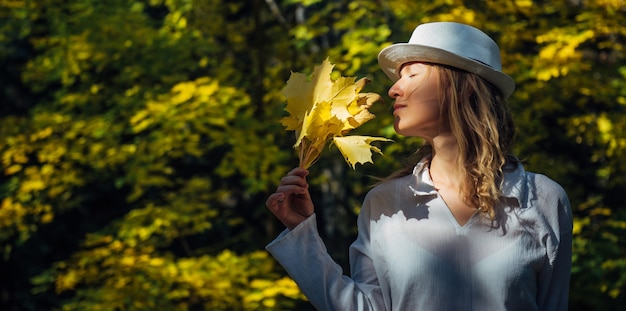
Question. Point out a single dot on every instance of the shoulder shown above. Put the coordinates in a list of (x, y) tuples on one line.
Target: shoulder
[(389, 187), (388, 196), (530, 186), (543, 188), (550, 200)]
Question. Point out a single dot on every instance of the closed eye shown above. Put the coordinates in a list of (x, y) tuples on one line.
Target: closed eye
[(413, 75)]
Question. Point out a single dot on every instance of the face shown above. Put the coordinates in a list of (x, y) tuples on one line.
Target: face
[(417, 109)]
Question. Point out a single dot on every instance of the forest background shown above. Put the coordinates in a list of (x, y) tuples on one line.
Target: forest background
[(139, 140)]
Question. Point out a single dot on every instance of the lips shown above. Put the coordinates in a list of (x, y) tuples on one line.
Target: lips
[(397, 107)]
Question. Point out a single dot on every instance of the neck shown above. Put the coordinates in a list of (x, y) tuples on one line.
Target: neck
[(445, 170)]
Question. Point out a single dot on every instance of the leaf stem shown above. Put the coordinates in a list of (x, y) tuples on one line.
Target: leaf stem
[(307, 154)]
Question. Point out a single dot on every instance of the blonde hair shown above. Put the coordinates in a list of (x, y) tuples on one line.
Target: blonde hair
[(483, 126)]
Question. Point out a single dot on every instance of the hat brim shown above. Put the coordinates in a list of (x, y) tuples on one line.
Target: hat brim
[(393, 57)]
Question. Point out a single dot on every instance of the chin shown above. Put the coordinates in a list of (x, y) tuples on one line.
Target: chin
[(398, 130)]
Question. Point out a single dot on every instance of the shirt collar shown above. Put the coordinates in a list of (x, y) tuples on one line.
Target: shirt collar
[(420, 182), (513, 186)]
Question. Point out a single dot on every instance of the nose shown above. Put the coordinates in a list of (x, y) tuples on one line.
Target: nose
[(395, 91)]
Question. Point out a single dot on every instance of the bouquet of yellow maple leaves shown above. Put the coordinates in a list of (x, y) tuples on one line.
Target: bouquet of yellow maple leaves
[(322, 109)]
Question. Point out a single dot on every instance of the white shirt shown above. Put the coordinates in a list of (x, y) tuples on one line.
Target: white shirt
[(412, 254)]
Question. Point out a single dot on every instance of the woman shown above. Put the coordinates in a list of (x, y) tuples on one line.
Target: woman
[(465, 228)]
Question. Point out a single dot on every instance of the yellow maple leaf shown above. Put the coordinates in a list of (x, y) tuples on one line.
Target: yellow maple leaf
[(321, 109), (303, 94), (357, 149)]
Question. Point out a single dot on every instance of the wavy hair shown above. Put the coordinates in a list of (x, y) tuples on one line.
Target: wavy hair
[(483, 126)]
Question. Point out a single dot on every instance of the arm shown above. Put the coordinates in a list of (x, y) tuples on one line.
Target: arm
[(554, 280), (302, 253)]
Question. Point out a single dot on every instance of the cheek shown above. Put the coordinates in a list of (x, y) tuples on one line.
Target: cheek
[(425, 106)]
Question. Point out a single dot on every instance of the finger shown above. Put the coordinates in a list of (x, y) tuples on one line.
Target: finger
[(274, 199), (298, 171), (294, 180), (289, 190)]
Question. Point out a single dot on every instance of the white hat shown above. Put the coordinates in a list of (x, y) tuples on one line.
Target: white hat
[(453, 44)]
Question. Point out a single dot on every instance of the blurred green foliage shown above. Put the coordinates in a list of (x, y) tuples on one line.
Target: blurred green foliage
[(139, 140)]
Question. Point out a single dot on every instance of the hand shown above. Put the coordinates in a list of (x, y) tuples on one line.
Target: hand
[(291, 203)]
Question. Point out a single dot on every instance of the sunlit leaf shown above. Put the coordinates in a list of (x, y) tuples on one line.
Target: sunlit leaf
[(357, 149), (321, 109)]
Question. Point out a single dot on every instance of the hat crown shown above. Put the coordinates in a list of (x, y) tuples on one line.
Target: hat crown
[(451, 44), (462, 40)]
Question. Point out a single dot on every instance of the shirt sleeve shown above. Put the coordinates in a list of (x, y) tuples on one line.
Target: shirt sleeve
[(554, 280), (304, 256)]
